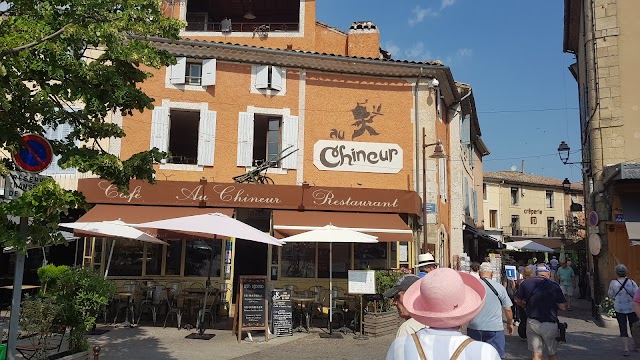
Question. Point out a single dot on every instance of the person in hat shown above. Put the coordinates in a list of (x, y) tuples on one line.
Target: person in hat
[(622, 291), (487, 326), (397, 294), (443, 300), (541, 298), (554, 267), (426, 263)]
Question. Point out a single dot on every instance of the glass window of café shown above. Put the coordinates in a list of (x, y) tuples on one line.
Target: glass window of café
[(311, 260), (187, 258)]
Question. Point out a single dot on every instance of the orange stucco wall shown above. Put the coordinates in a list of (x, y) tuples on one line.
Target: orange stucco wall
[(365, 45), (329, 41), (329, 101)]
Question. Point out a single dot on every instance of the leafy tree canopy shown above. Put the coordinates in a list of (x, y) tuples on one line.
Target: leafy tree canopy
[(74, 62)]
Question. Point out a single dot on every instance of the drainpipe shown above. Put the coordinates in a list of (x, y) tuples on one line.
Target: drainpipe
[(417, 166)]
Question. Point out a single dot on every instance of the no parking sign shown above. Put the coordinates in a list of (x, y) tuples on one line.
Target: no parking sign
[(35, 155)]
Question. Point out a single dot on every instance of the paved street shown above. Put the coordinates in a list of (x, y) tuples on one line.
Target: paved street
[(585, 341)]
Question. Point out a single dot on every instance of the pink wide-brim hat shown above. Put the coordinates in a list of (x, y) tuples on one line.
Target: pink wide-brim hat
[(445, 298)]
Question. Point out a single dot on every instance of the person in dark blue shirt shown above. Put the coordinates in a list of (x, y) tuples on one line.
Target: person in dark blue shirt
[(541, 298)]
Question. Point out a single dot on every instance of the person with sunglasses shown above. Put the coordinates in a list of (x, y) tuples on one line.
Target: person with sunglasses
[(397, 294)]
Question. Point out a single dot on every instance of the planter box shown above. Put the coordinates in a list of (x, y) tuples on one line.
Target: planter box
[(85, 355), (380, 324), (607, 322)]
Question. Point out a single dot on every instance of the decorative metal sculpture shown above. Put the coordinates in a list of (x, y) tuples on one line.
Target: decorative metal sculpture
[(256, 176)]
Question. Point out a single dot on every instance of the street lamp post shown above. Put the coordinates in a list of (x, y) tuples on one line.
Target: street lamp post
[(438, 153)]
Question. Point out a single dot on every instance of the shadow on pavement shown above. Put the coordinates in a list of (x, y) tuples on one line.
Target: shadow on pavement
[(131, 343)]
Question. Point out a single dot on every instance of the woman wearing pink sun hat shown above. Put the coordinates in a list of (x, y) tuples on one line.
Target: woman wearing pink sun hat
[(443, 300)]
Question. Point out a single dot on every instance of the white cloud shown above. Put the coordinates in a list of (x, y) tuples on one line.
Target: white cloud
[(464, 52), (447, 3), (391, 47), (419, 14), (418, 52), (459, 56)]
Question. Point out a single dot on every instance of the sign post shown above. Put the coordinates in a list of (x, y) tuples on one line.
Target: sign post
[(362, 282), (34, 156)]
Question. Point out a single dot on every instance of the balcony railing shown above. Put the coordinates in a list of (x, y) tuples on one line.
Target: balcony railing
[(241, 27)]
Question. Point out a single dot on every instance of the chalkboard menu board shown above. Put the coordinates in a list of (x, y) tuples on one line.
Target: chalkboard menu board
[(281, 313), (251, 310)]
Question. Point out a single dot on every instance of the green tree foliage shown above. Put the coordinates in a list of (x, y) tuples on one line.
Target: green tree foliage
[(86, 55)]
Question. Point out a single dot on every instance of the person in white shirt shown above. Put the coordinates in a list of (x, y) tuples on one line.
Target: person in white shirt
[(444, 300), (410, 326), (622, 290)]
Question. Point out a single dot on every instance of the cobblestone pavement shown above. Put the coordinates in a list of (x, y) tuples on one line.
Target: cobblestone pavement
[(585, 341)]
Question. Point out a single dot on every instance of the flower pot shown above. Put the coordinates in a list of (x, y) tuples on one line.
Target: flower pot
[(380, 324), (608, 322)]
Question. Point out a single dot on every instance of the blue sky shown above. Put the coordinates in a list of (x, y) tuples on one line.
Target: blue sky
[(509, 51)]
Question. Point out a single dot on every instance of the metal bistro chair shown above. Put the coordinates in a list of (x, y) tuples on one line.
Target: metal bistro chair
[(127, 303), (317, 307), (172, 291), (152, 301), (212, 308)]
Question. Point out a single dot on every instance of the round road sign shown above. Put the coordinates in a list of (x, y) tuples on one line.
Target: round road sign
[(35, 155), (595, 244), (593, 218)]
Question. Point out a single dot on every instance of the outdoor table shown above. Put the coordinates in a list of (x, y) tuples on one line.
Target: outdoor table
[(301, 300), (128, 295)]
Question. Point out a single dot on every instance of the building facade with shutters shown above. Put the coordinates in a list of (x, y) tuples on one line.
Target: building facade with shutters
[(602, 34), (338, 122)]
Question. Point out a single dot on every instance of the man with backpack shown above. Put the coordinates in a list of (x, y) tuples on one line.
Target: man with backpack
[(487, 326), (541, 298), (622, 291)]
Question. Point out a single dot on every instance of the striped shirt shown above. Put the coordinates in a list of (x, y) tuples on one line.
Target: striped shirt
[(440, 344)]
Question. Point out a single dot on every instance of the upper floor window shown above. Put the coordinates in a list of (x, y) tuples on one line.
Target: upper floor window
[(493, 219), (60, 132), (484, 191), (242, 16), (191, 74), (549, 199), (515, 200), (186, 131), (269, 77), (263, 137)]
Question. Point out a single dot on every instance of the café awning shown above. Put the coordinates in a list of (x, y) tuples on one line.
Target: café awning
[(136, 214), (387, 227)]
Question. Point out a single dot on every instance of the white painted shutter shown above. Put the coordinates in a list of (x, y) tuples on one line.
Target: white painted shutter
[(442, 169), (276, 78), (59, 133), (245, 139), (160, 128), (290, 138), (209, 72), (178, 71), (206, 138), (262, 77)]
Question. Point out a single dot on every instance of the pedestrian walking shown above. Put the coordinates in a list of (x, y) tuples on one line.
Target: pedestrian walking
[(522, 312), (541, 298), (444, 300), (487, 326), (411, 325), (426, 263), (475, 268), (554, 267), (622, 291), (567, 280)]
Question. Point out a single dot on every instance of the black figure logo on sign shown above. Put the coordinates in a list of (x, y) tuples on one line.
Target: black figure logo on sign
[(363, 120)]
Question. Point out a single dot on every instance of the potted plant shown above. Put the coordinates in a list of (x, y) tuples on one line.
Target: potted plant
[(37, 320), (383, 319), (607, 313), (80, 295)]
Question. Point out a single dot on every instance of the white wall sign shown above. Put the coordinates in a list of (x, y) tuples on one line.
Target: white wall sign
[(357, 156), (362, 282)]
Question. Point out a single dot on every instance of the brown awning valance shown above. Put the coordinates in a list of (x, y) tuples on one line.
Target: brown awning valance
[(133, 214), (387, 227)]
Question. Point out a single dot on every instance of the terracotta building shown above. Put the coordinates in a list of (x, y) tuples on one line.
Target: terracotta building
[(603, 35), (337, 123)]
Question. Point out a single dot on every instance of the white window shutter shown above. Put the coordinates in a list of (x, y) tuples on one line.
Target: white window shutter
[(206, 138), (160, 128), (59, 133), (276, 78), (178, 71), (262, 77), (245, 139), (209, 72), (290, 139), (442, 170)]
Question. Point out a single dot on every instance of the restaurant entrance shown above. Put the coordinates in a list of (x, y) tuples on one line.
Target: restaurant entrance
[(250, 256)]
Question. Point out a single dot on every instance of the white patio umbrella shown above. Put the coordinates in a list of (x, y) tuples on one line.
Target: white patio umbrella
[(116, 228), (216, 224), (528, 245), (332, 234)]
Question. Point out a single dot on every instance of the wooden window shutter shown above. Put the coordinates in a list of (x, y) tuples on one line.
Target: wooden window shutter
[(178, 71), (209, 72), (262, 77), (245, 139), (160, 129), (206, 138), (290, 139)]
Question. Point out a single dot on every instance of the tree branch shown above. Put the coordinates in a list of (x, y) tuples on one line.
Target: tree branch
[(35, 43)]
